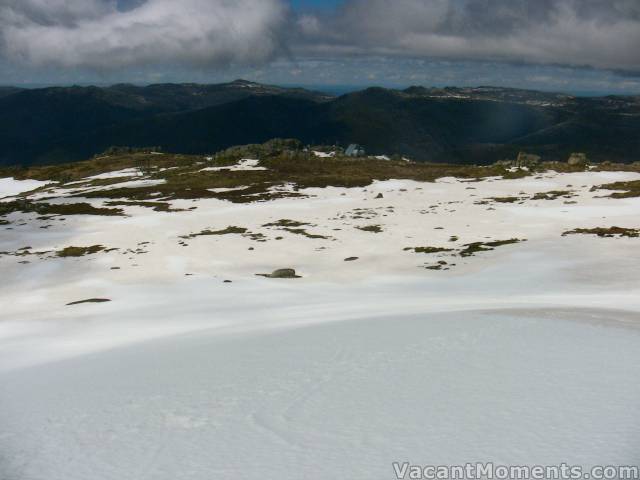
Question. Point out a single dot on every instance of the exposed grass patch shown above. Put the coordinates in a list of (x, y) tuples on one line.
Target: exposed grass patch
[(560, 167), (553, 195), (427, 249), (293, 226), (606, 232), (258, 237), (506, 199), (286, 164), (500, 243), (615, 167), (156, 206), (628, 189), (264, 192), (27, 206), (79, 251), (516, 174), (302, 231), (285, 223), (371, 228), (75, 171), (477, 247), (24, 252), (226, 231), (360, 214)]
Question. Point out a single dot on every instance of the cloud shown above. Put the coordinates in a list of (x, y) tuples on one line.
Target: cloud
[(111, 34), (101, 34), (596, 33)]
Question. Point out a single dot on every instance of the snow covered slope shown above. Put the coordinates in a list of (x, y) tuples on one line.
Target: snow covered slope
[(419, 331)]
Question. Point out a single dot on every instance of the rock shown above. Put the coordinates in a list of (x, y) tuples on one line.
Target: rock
[(524, 159), (280, 273), (351, 259), (527, 160), (379, 196), (578, 159)]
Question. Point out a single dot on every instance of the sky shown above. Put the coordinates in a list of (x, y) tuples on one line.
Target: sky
[(578, 46), (304, 5)]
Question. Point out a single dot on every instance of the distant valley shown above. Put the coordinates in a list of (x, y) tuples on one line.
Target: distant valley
[(453, 125)]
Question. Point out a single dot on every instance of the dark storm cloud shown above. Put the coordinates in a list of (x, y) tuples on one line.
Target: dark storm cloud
[(109, 34), (596, 33)]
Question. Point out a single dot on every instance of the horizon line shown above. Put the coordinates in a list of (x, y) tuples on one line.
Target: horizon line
[(331, 88)]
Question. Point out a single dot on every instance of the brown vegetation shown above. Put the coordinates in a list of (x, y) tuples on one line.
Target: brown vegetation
[(606, 232)]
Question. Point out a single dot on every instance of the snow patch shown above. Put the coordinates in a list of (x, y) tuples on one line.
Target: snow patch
[(137, 183), (10, 187), (324, 154), (127, 172), (243, 165), (224, 190)]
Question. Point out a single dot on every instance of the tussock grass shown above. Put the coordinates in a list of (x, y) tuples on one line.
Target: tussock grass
[(284, 161), (627, 189), (477, 247), (428, 249), (293, 226), (231, 230), (80, 251), (371, 228), (506, 199), (303, 232), (156, 206), (553, 195), (603, 232), (27, 206), (286, 223)]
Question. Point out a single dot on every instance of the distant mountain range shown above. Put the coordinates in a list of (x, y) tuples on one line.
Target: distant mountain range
[(457, 125), (6, 91)]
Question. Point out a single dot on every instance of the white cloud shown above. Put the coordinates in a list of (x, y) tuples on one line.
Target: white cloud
[(96, 34)]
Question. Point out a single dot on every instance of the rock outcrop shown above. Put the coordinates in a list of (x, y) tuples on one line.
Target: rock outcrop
[(524, 160), (578, 159)]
